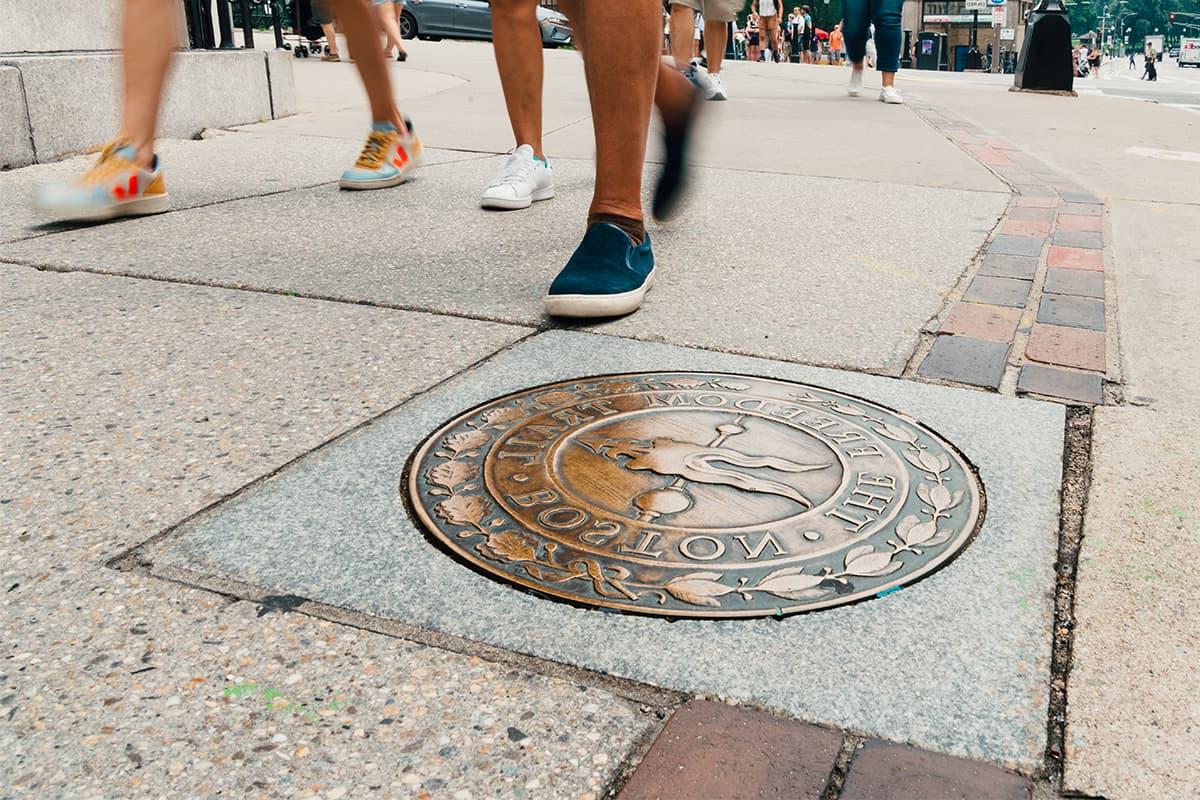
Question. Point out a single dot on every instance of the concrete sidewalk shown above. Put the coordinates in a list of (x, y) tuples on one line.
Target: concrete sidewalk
[(301, 639)]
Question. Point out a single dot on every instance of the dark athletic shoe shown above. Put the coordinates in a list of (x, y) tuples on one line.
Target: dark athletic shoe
[(673, 178), (607, 276)]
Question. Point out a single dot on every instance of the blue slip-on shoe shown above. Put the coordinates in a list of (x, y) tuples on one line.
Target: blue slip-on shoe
[(606, 276)]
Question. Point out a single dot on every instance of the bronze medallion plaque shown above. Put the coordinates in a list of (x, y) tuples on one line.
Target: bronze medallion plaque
[(688, 494)]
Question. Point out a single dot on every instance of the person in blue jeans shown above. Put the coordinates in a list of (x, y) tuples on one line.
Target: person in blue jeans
[(859, 16)]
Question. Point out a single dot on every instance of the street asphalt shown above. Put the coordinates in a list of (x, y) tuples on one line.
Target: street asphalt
[(154, 367)]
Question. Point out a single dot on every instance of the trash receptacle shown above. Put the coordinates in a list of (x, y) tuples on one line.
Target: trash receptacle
[(931, 50)]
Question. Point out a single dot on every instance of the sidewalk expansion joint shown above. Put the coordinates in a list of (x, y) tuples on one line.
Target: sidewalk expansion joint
[(1077, 467), (841, 767), (1037, 316)]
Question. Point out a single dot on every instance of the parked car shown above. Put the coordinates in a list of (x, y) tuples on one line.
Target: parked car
[(471, 19), (1173, 52)]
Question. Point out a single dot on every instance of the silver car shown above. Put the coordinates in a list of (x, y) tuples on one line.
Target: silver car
[(471, 19)]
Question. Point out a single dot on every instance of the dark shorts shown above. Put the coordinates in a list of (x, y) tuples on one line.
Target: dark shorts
[(754, 39), (322, 14)]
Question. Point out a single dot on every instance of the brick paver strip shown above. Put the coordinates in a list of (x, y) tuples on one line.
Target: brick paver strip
[(1082, 209), (711, 750), (994, 323), (1002, 266), (1079, 282), (1016, 245), (1025, 201), (1086, 387), (1078, 222), (1075, 312), (965, 359), (886, 771), (1025, 227), (1033, 190), (998, 291), (1074, 258), (1067, 347), (1090, 240), (1079, 197), (1040, 214)]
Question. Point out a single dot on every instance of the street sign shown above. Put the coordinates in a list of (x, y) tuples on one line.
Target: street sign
[(994, 3), (1008, 34), (975, 5), (999, 17)]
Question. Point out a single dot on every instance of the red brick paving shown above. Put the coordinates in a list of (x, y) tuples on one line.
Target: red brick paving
[(1079, 222), (711, 750), (1075, 258), (1066, 347), (885, 771), (1025, 227), (994, 323)]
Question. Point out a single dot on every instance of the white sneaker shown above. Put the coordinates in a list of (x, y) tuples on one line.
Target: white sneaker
[(890, 95), (522, 181), (856, 82), (715, 89)]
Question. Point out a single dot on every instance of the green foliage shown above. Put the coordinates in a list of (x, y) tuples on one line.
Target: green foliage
[(1141, 16)]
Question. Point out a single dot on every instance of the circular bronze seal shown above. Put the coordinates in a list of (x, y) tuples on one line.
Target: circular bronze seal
[(688, 494)]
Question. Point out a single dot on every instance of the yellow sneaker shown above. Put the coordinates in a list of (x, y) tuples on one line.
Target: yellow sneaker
[(114, 186), (387, 159)]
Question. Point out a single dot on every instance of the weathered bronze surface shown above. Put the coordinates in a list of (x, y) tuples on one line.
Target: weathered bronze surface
[(700, 495)]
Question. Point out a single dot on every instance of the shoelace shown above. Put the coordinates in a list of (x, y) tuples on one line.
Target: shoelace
[(516, 170), (108, 164), (375, 150)]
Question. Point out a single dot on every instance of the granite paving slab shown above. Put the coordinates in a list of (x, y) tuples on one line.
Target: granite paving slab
[(128, 404), (426, 246), (958, 662), (222, 166)]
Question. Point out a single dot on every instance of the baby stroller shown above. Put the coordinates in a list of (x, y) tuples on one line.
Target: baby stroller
[(310, 39)]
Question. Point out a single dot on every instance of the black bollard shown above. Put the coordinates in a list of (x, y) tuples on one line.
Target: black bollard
[(1045, 64), (225, 24)]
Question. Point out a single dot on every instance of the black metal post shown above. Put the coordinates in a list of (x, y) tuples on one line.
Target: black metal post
[(277, 24), (247, 26), (225, 22), (975, 28)]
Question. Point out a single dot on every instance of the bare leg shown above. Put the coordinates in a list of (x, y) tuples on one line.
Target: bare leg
[(387, 21), (331, 37), (716, 37), (621, 63), (517, 40), (398, 10), (683, 23), (147, 39), (362, 37)]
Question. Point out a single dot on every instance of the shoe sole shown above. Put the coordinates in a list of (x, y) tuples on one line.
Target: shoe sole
[(516, 204), (383, 183), (590, 306), (142, 206)]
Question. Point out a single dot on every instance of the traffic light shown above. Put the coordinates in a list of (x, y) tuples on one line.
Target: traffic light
[(1171, 16)]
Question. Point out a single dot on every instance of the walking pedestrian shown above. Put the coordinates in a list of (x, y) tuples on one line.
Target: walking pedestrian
[(613, 267), (811, 42), (768, 15), (321, 16), (794, 33), (716, 16), (1132, 60), (127, 178), (837, 45), (860, 15), (754, 34), (389, 12)]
